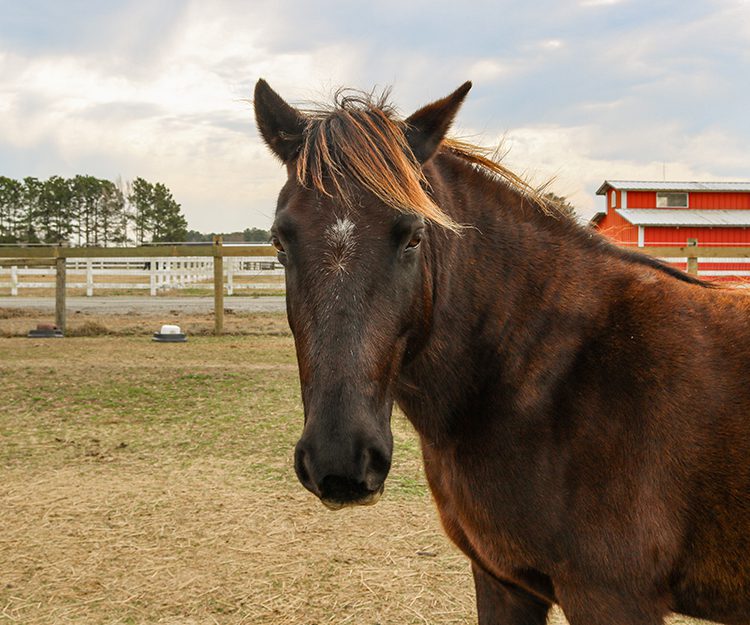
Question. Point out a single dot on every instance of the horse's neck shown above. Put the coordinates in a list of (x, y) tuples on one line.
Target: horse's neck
[(503, 321), (512, 257)]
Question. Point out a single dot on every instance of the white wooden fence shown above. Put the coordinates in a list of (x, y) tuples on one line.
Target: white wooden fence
[(152, 274)]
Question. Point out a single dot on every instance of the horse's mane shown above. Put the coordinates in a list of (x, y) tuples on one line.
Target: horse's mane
[(360, 138)]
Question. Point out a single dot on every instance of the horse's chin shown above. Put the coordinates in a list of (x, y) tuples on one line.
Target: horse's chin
[(369, 500)]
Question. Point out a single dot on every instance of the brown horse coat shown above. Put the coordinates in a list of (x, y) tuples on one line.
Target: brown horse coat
[(584, 411)]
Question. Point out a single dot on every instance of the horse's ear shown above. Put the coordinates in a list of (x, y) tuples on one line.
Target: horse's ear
[(280, 124), (427, 127)]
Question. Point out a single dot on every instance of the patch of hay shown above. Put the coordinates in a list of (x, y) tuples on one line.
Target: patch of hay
[(87, 328), (18, 322), (117, 540), (14, 313)]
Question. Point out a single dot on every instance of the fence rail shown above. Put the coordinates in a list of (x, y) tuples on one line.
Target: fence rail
[(152, 274), (193, 263), (692, 253)]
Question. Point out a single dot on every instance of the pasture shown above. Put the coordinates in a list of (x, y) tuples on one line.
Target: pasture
[(150, 483)]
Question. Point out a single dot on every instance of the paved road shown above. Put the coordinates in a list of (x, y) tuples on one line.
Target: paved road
[(148, 305)]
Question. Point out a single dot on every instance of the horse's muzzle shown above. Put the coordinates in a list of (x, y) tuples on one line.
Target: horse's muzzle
[(337, 483)]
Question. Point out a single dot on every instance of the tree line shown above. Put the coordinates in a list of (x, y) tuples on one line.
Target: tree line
[(248, 235), (88, 211)]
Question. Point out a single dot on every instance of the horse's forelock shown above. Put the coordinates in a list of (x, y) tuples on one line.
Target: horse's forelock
[(360, 141)]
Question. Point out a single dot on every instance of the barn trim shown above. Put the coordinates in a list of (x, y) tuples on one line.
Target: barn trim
[(641, 185), (711, 218)]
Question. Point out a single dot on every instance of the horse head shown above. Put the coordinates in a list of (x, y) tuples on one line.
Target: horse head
[(353, 228)]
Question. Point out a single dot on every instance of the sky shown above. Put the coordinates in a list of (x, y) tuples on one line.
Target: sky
[(574, 91)]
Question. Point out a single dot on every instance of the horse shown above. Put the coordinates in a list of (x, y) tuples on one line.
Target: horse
[(583, 410)]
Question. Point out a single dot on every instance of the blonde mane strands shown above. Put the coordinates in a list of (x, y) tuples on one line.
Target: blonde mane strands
[(482, 159), (360, 139)]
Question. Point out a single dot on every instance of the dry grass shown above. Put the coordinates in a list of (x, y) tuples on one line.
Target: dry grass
[(132, 542), (148, 483), (18, 322), (151, 483)]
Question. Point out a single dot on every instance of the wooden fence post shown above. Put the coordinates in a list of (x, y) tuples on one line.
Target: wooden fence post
[(14, 280), (692, 258), (218, 287), (60, 293)]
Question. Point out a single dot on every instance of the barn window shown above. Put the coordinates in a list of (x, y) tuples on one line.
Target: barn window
[(671, 200), (613, 199)]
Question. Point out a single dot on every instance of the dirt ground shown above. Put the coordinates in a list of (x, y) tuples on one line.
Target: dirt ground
[(150, 483)]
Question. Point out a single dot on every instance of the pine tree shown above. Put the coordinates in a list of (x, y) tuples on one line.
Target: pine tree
[(11, 210), (55, 210), (141, 200), (32, 190), (112, 207), (168, 223), (86, 201)]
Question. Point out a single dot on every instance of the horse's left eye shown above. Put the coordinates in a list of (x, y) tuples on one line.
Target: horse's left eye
[(415, 240), (277, 244)]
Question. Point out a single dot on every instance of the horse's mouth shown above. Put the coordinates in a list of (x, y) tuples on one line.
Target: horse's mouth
[(368, 500)]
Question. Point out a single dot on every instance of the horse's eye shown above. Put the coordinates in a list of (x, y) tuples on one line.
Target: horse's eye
[(277, 244), (415, 240)]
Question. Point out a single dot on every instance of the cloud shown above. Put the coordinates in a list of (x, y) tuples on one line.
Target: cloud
[(599, 3), (488, 70), (189, 124), (569, 157), (584, 91)]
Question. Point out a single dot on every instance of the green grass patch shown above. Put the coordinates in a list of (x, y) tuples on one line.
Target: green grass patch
[(120, 398)]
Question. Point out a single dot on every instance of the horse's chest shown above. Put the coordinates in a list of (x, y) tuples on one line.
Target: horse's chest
[(480, 513)]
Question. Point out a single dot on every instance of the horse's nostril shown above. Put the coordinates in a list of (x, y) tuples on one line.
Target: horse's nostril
[(378, 460), (377, 465), (300, 467)]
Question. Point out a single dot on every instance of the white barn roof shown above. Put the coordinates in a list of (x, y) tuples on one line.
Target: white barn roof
[(685, 217), (642, 185)]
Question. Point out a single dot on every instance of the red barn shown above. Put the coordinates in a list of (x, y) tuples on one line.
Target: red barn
[(646, 214)]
